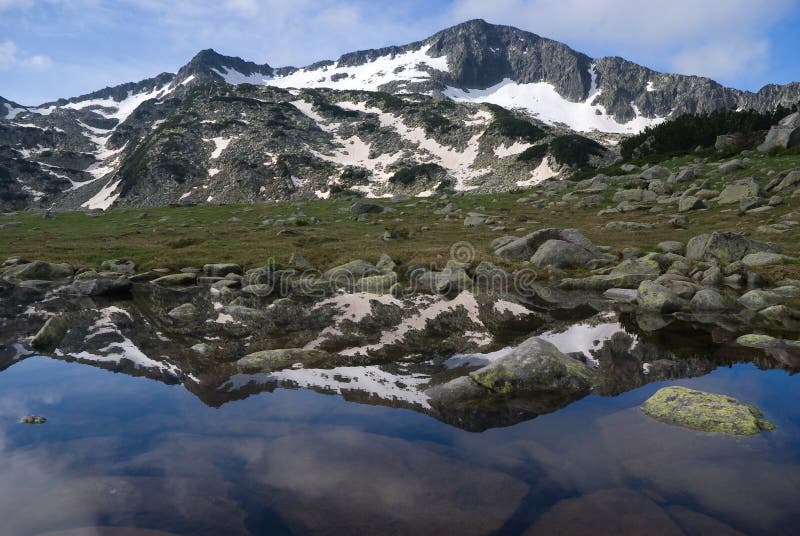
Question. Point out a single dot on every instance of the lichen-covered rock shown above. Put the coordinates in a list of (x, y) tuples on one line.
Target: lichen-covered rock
[(655, 298), (764, 258), (274, 360), (739, 190), (755, 300), (706, 412), (785, 134), (709, 300), (689, 203), (535, 366), (39, 270), (50, 335), (726, 247)]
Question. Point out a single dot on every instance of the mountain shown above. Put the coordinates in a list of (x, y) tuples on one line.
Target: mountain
[(474, 107)]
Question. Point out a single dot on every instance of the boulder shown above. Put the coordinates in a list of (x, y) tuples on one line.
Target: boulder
[(689, 203), (561, 254), (101, 286), (604, 282), (176, 280), (764, 258), (535, 366), (655, 172), (39, 270), (50, 335), (785, 134), (739, 190), (725, 247), (709, 300), (359, 208), (706, 412), (221, 270), (791, 180), (621, 295), (523, 248), (655, 298), (726, 168), (755, 300), (672, 246)]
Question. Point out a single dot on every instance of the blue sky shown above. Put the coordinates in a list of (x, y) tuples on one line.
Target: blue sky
[(63, 48)]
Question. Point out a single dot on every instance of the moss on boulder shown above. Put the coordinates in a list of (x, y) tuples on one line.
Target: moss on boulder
[(706, 412), (274, 360)]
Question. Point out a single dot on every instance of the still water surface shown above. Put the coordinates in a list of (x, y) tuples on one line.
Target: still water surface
[(121, 451)]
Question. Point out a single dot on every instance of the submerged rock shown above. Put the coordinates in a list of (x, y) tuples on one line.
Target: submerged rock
[(706, 412), (766, 342), (33, 419)]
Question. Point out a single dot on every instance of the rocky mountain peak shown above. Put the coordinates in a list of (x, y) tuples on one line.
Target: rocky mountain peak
[(208, 65)]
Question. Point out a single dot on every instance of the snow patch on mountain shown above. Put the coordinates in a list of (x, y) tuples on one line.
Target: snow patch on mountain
[(541, 100), (105, 197), (512, 150), (234, 77), (407, 67), (12, 112), (459, 164), (110, 108), (542, 172)]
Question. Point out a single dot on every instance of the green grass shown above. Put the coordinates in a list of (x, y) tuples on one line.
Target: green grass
[(193, 236)]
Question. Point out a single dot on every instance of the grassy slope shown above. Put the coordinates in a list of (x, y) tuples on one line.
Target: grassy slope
[(193, 236)]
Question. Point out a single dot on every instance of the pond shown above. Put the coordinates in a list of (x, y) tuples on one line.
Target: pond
[(359, 449)]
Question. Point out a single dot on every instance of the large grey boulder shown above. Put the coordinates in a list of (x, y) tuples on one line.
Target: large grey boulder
[(689, 203), (725, 247), (739, 190), (101, 286), (561, 254), (709, 300), (523, 248), (791, 180), (39, 270), (535, 366), (785, 134), (655, 298), (359, 208)]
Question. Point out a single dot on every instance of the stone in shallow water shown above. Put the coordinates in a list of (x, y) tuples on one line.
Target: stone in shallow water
[(273, 360), (754, 340), (706, 412), (535, 366)]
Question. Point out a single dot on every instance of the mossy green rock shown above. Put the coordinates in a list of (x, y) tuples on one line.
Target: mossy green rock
[(706, 412), (535, 366), (274, 360)]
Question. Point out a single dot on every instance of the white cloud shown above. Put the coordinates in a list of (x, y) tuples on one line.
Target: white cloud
[(689, 35), (723, 59), (10, 58)]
